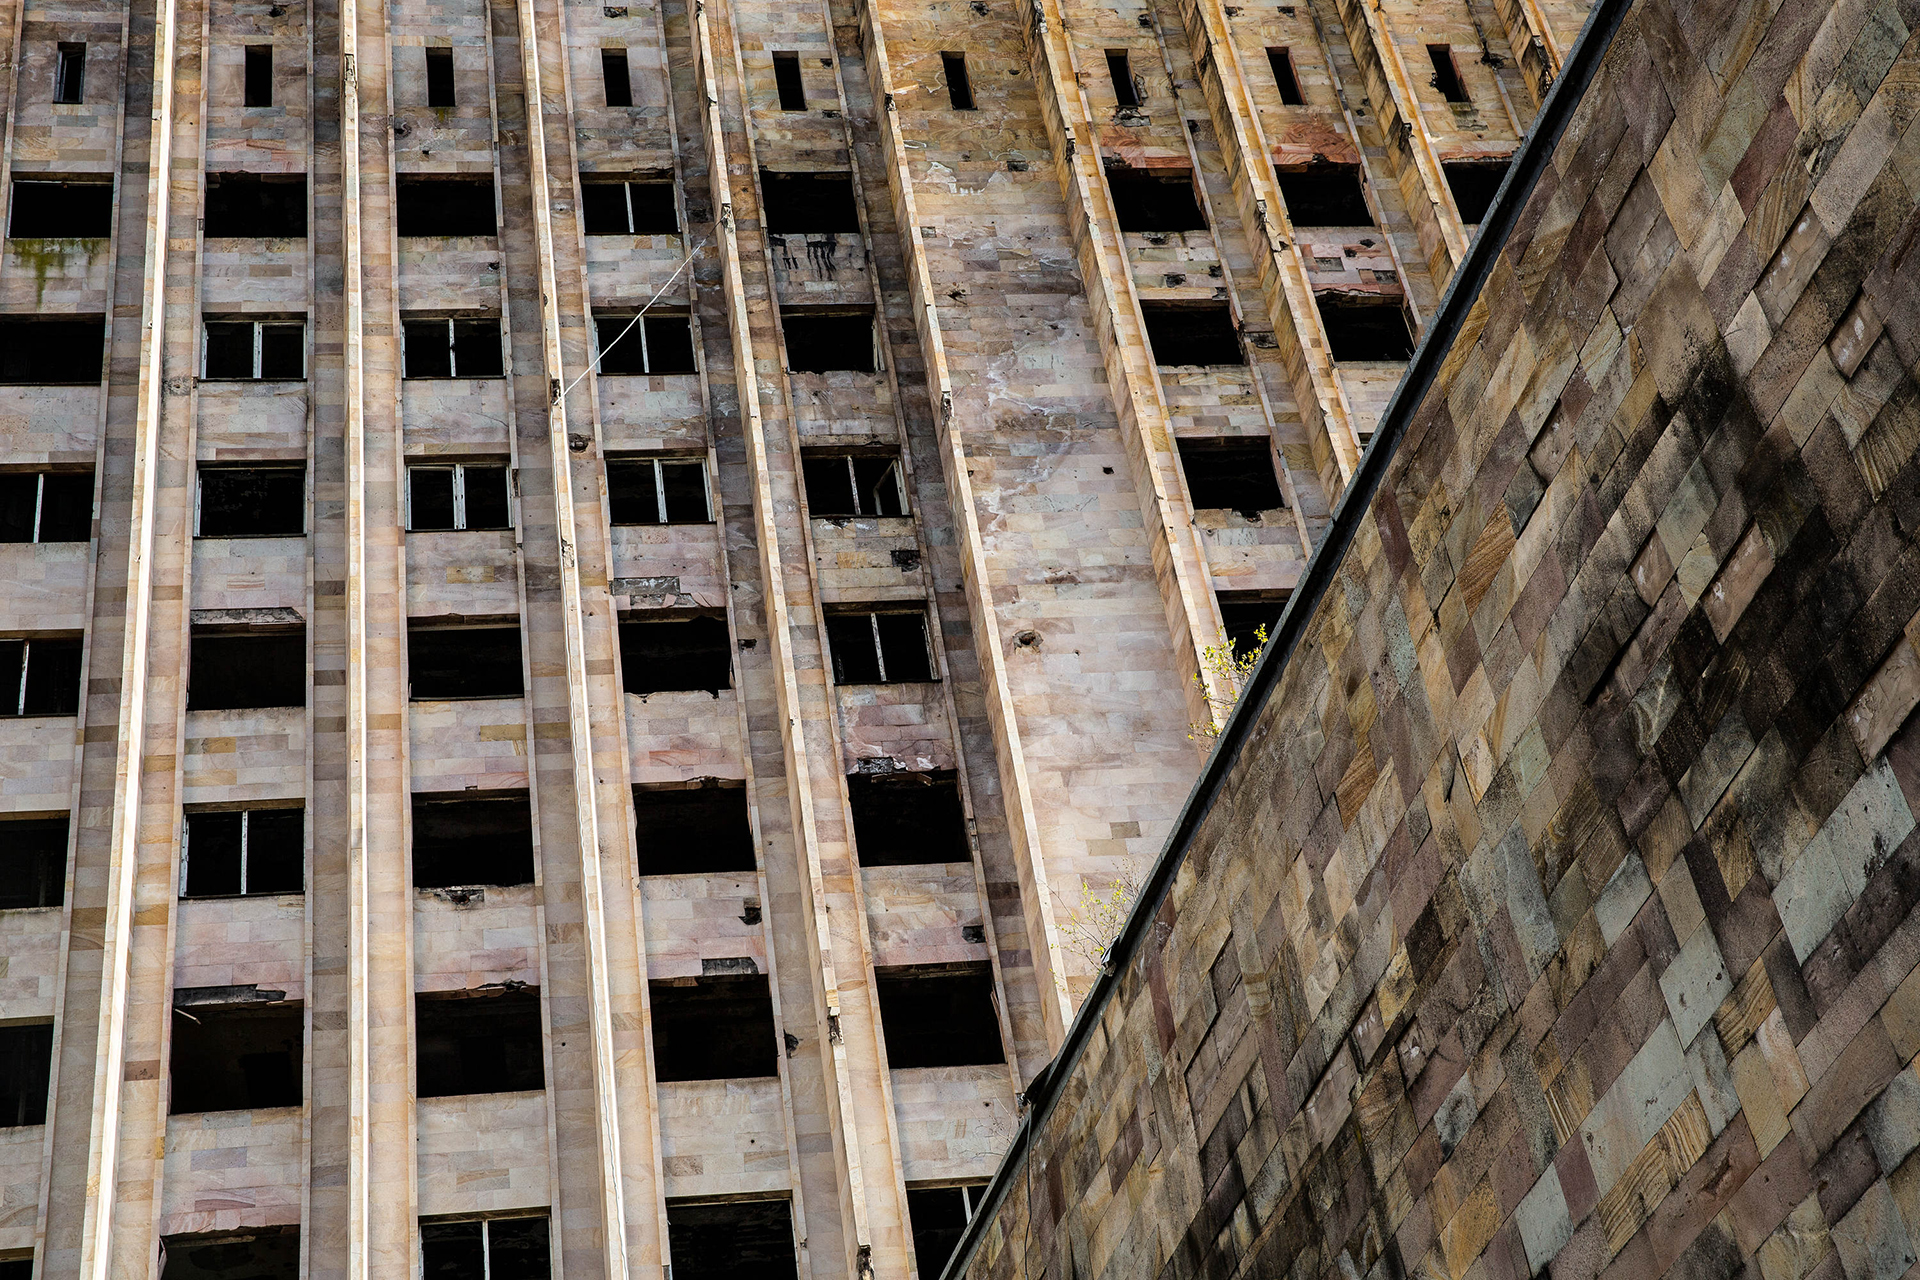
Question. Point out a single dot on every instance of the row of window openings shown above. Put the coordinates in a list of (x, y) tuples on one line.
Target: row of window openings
[(1155, 202)]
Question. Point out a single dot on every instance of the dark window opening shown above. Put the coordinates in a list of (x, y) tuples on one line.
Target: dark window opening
[(907, 819), (259, 76), (1234, 475), (640, 208), (718, 1028), (852, 484), (234, 1057), (69, 73), (252, 502), (439, 79), (1446, 74), (259, 350), (1187, 334), (619, 82), (256, 205), (442, 348), (467, 840), (734, 1240), (1244, 617), (233, 671), (1147, 200), (17, 1268), (693, 829), (1325, 195), (244, 853), (40, 352), (959, 85), (1365, 330), (269, 1254), (880, 647), (938, 1217), (461, 495), (808, 203), (786, 78), (33, 863), (486, 1249), (833, 342), (657, 491), (57, 210), (1474, 183), (656, 345), (1284, 78), (46, 506), (445, 664), (675, 654), (445, 207), (938, 1015), (1126, 91), (26, 1062), (40, 676), (488, 1043)]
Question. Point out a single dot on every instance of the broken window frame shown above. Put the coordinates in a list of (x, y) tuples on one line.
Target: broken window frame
[(626, 186), (1126, 87), (257, 76), (893, 469), (642, 330), (441, 92), (787, 83), (453, 347), (246, 823), (36, 534), (873, 615), (260, 335), (486, 1239), (459, 469), (972, 1195), (1286, 76), (199, 495), (618, 86), (959, 82), (18, 702), (69, 73), (658, 467), (67, 231)]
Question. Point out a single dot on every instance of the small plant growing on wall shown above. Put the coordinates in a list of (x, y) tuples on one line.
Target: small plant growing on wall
[(1230, 670)]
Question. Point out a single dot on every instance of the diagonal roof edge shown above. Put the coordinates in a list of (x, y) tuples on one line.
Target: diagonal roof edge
[(1463, 290)]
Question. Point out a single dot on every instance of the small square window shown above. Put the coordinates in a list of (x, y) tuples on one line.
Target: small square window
[(243, 853), (460, 495), (447, 348), (880, 647), (657, 491), (254, 350)]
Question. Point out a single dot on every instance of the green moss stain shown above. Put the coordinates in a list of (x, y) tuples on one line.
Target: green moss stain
[(50, 255)]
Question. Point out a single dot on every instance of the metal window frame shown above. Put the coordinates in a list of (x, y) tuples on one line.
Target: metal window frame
[(70, 73), (259, 340), (879, 650), (20, 693), (459, 470)]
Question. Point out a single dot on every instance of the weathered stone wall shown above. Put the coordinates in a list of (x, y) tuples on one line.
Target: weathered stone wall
[(1556, 917)]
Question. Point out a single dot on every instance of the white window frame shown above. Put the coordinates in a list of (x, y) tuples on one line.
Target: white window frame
[(879, 650), (453, 355), (459, 470), (660, 482), (18, 708), (636, 326), (899, 485), (259, 327)]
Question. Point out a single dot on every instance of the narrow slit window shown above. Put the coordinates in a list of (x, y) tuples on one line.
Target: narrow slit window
[(1126, 90), (33, 872), (959, 85), (469, 1044), (658, 491), (656, 345), (40, 352), (443, 348), (1231, 475), (938, 1015), (60, 210), (472, 840), (681, 830), (675, 655), (638, 208), (244, 853), (1365, 330), (907, 818), (880, 647), (851, 484), (252, 502), (234, 1057), (256, 206), (786, 78), (1446, 74), (461, 495), (1180, 334), (445, 207), (439, 77), (254, 350), (717, 1028), (259, 76), (486, 1249), (246, 670), (619, 81), (26, 1069), (1285, 78), (40, 676), (448, 664), (70, 73), (46, 506)]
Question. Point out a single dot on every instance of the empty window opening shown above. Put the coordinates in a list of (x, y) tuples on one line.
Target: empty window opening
[(445, 207), (486, 1249), (657, 491), (938, 1015), (266, 1254), (1364, 329), (1181, 333), (439, 79), (244, 670), (472, 840), (252, 502), (60, 210), (639, 208), (445, 664), (33, 863), (1244, 617), (619, 82), (443, 348), (808, 203), (657, 344), (1151, 201), (16, 1268), (1446, 74), (479, 1043), (1474, 184), (259, 82), (234, 1057), (1325, 195), (261, 350), (675, 654), (786, 78), (1126, 90), (959, 85), (256, 205), (1284, 77), (240, 853), (829, 342), (46, 506), (40, 676), (718, 1028), (69, 72), (852, 484), (734, 1240), (463, 495), (1232, 475), (880, 647), (42, 352), (26, 1059), (907, 819), (693, 829), (938, 1216)]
